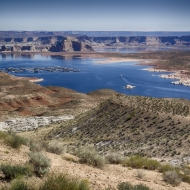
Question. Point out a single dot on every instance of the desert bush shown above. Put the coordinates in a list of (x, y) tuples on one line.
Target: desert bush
[(141, 187), (12, 139), (15, 141), (35, 146), (141, 162), (150, 164), (140, 173), (134, 162), (88, 155), (40, 162), (63, 181), (3, 135), (166, 167), (129, 186), (114, 158), (54, 147), (11, 172), (125, 186), (19, 185), (184, 177), (172, 178)]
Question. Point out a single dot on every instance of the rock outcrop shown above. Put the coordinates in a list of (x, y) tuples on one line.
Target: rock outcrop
[(70, 44), (143, 40), (45, 44)]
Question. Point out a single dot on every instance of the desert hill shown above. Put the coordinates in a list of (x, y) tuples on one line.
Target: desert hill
[(19, 97), (110, 121), (133, 125)]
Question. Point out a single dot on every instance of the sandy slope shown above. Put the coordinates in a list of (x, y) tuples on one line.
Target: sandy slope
[(99, 179)]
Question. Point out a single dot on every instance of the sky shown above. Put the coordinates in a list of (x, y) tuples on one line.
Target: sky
[(95, 15)]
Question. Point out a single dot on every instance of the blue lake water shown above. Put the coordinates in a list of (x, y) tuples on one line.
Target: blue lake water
[(95, 76), (137, 49)]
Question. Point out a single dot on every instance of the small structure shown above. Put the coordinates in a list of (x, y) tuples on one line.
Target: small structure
[(128, 86)]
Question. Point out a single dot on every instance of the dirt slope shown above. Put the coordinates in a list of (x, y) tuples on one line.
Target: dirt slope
[(99, 179)]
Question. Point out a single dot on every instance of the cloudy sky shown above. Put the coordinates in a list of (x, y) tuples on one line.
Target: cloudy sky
[(98, 15)]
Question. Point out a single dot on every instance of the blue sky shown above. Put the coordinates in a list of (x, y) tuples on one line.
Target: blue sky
[(95, 15)]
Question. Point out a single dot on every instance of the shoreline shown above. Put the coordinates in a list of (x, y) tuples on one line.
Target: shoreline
[(180, 75), (31, 79), (118, 60), (114, 57)]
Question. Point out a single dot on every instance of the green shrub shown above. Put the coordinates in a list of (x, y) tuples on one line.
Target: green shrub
[(3, 135), (141, 187), (88, 155), (40, 162), (12, 140), (172, 178), (11, 172), (129, 186), (19, 185), (114, 158), (54, 147), (15, 141), (150, 164), (63, 182), (134, 162), (166, 167), (125, 186), (141, 162)]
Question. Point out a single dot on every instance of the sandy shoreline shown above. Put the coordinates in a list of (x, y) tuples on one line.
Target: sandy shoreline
[(31, 79), (118, 60), (181, 76)]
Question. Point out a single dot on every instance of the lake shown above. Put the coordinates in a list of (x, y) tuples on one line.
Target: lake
[(138, 49), (95, 76)]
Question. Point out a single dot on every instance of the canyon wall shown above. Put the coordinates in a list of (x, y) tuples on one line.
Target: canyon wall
[(121, 40)]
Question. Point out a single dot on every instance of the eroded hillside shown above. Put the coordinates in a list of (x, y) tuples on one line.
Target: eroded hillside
[(133, 125)]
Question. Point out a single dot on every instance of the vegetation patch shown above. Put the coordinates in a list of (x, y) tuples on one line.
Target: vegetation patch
[(40, 162), (172, 178), (88, 155), (129, 186), (141, 162), (54, 147), (11, 172), (13, 140), (63, 181)]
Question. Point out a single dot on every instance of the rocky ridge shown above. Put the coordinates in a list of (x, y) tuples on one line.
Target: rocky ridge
[(44, 44), (102, 40)]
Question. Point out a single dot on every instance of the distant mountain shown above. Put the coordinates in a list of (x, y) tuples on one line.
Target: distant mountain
[(17, 34), (127, 33)]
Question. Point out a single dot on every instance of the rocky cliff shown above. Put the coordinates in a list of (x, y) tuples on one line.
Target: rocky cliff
[(44, 44), (143, 40), (70, 44)]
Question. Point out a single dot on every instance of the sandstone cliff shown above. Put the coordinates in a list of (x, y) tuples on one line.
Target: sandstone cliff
[(70, 44)]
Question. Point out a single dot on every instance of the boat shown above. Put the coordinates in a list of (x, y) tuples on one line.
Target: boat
[(128, 86)]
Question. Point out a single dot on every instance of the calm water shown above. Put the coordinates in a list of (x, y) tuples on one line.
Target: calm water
[(137, 49), (95, 76)]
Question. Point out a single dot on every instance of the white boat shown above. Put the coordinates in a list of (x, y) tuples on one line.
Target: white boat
[(128, 86)]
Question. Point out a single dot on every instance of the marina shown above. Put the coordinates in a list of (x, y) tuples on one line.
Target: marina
[(39, 69)]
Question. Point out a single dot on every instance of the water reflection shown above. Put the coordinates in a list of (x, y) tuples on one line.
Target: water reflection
[(17, 55), (137, 49), (67, 57)]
